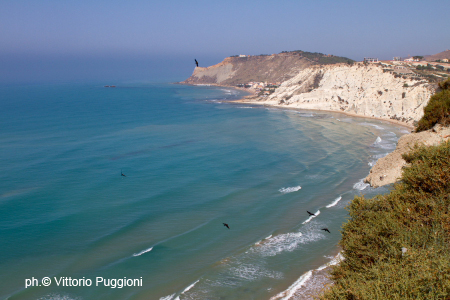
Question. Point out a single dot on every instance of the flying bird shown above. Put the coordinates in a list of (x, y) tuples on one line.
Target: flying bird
[(121, 174), (310, 213), (226, 225), (326, 229), (196, 62)]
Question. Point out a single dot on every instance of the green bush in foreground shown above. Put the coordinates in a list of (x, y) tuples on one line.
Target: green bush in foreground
[(414, 216), (437, 109)]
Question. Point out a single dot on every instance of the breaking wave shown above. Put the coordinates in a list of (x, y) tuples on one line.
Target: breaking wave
[(285, 295), (360, 185), (143, 251), (334, 202), (311, 217), (170, 297), (290, 189)]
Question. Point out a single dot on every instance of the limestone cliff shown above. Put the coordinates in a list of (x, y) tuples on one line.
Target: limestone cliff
[(365, 90), (259, 68), (388, 169)]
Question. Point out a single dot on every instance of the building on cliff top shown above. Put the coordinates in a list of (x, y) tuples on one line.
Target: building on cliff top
[(370, 59)]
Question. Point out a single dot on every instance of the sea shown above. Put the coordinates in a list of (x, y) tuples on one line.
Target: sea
[(124, 192)]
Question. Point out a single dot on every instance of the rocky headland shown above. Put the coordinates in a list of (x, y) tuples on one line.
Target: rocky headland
[(389, 91)]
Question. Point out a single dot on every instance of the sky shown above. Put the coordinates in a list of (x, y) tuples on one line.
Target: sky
[(142, 38)]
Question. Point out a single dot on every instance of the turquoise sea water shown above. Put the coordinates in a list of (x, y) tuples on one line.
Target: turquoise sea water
[(192, 162)]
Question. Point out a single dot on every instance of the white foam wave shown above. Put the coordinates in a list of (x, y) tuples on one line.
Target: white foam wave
[(285, 295), (252, 272), (290, 189), (185, 290), (360, 185), (373, 125), (334, 202), (311, 217), (286, 242), (306, 115), (378, 140), (259, 242), (268, 237), (170, 297), (143, 251)]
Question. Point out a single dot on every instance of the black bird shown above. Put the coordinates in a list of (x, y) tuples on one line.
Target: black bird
[(196, 62), (121, 174), (326, 229), (226, 225), (310, 213)]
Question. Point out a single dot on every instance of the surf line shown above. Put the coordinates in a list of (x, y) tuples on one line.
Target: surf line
[(334, 202), (311, 217), (170, 238), (143, 251), (187, 289), (170, 297), (287, 294)]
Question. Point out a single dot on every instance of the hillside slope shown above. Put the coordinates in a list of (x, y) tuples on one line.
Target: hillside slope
[(237, 70), (441, 55)]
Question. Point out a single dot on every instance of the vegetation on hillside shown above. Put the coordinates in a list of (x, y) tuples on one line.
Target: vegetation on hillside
[(315, 57), (437, 110), (321, 58), (397, 246)]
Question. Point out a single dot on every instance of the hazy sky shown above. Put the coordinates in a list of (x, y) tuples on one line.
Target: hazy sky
[(211, 30)]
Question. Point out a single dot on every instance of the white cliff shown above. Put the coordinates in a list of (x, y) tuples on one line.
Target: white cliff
[(364, 90)]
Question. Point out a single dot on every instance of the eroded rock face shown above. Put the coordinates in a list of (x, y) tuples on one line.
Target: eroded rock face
[(388, 169), (358, 89), (258, 68)]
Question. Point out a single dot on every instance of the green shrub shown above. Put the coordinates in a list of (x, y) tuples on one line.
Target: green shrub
[(414, 216), (445, 85), (436, 111)]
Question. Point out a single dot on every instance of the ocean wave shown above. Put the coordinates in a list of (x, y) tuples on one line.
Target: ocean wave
[(170, 297), (251, 272), (289, 292), (143, 251), (258, 242), (334, 261), (360, 185), (185, 290), (307, 115), (285, 295), (334, 202), (290, 189), (311, 217), (286, 242), (373, 125)]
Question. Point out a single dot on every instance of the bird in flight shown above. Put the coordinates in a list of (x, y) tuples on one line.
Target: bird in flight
[(310, 213), (196, 62), (326, 229), (226, 225), (121, 174)]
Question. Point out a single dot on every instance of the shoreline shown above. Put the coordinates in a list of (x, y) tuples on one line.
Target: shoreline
[(249, 99), (396, 122)]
